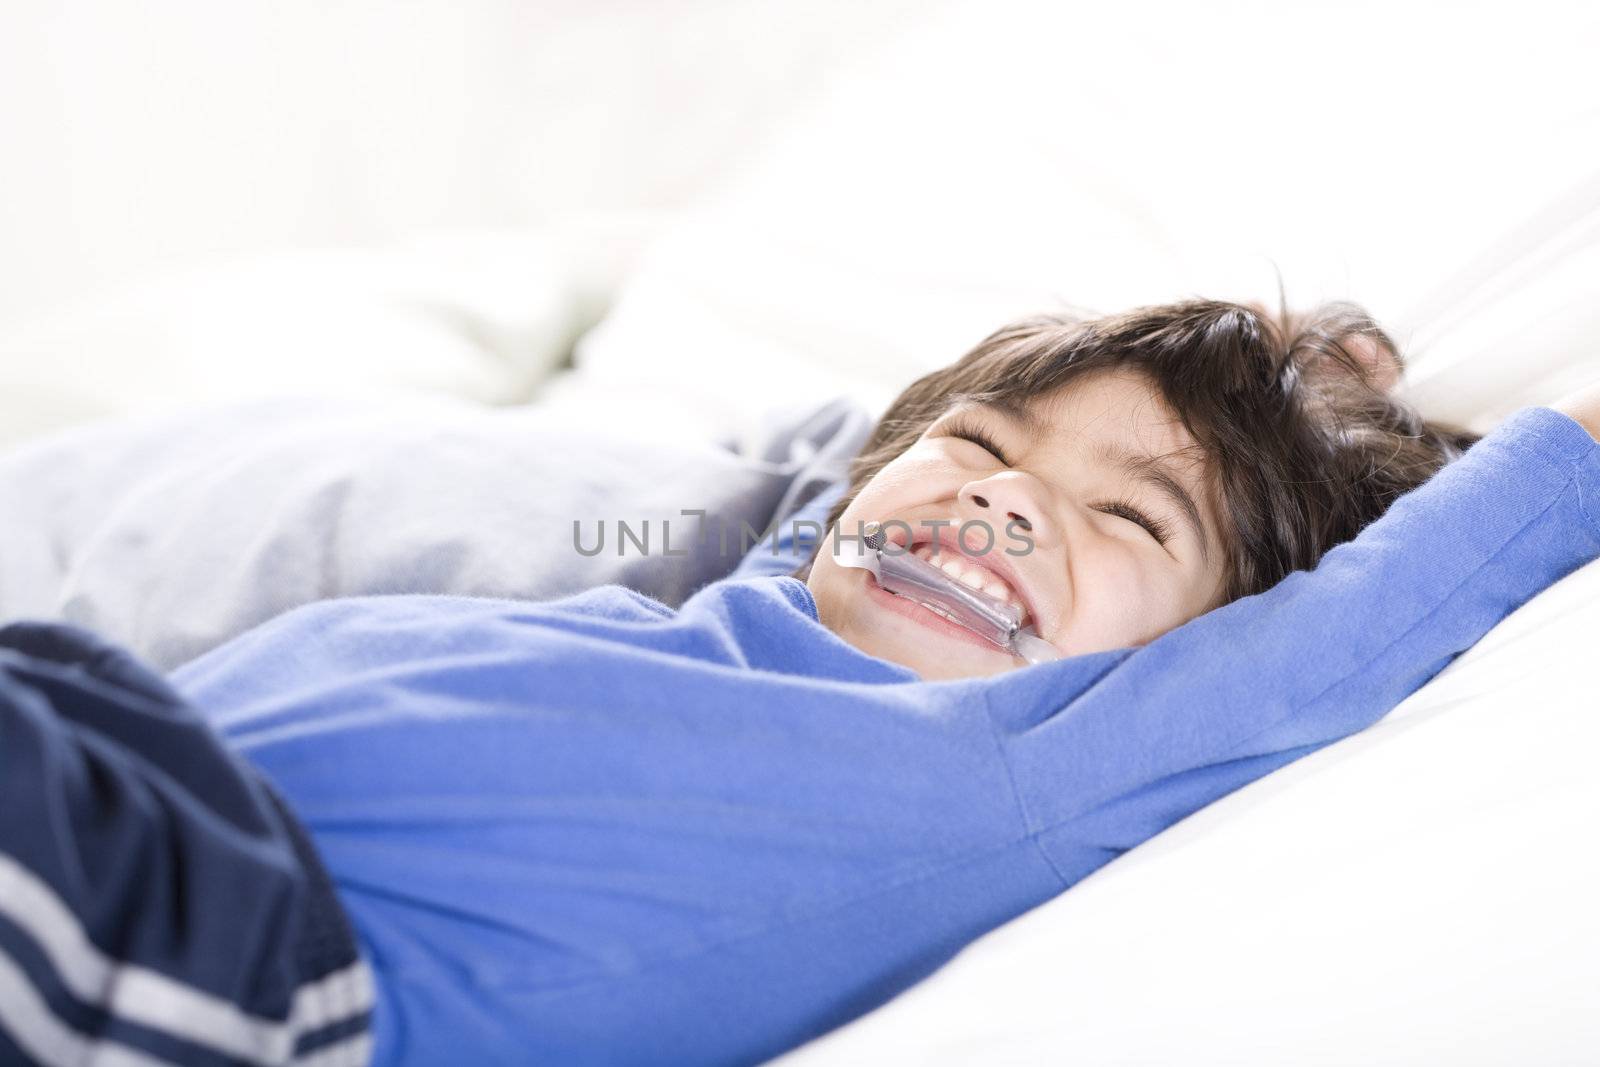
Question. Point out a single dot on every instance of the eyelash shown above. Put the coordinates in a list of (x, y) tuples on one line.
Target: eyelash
[(968, 432), (1159, 529), (1127, 509)]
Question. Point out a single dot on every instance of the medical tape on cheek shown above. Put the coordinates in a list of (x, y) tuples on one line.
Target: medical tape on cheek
[(903, 574)]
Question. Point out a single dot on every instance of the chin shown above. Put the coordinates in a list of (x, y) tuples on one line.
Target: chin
[(944, 670), (934, 660)]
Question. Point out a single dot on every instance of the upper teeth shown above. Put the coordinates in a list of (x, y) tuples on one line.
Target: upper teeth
[(971, 573)]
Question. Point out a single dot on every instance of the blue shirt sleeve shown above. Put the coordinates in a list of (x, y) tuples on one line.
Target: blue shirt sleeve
[(1162, 730), (792, 539)]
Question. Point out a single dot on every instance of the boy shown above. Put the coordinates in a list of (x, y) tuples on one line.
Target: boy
[(600, 831), (1153, 465)]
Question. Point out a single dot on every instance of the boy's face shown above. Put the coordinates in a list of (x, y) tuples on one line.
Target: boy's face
[(1076, 485)]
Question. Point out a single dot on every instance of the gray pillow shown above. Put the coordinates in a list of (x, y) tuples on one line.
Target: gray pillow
[(171, 535)]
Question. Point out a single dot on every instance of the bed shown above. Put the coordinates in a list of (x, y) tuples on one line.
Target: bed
[(1418, 893)]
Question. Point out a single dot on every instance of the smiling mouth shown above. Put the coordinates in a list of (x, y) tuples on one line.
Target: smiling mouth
[(964, 602), (943, 621), (936, 609), (971, 573)]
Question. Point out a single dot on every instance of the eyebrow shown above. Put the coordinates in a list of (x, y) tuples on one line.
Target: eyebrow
[(1145, 467)]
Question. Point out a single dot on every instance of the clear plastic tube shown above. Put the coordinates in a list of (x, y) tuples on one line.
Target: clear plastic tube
[(903, 574)]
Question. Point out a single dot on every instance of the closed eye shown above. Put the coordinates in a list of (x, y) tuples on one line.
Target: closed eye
[(967, 431), (1157, 528)]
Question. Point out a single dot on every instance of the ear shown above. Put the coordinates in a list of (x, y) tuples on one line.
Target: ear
[(1377, 358), (1339, 338)]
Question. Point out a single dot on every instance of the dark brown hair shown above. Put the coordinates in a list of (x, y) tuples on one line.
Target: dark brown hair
[(1304, 439)]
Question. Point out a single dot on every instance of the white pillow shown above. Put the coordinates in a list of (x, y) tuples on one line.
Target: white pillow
[(479, 316), (1006, 157)]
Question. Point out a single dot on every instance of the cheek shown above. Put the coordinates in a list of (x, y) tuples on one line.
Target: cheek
[(905, 481), (906, 484), (827, 584), (1122, 601), (837, 590)]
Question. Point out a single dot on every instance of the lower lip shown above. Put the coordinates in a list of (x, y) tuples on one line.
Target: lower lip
[(932, 620)]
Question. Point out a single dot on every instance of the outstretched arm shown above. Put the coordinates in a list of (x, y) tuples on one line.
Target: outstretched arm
[(1163, 730), (1583, 406)]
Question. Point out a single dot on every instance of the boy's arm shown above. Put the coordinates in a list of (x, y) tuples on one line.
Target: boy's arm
[(1158, 732), (1584, 407)]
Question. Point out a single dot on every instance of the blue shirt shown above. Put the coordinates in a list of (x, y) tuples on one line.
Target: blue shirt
[(601, 831)]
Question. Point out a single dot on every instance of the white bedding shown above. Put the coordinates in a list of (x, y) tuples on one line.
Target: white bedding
[(1419, 893), (1007, 157), (481, 316)]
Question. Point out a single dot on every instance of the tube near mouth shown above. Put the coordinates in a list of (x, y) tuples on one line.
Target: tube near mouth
[(903, 574)]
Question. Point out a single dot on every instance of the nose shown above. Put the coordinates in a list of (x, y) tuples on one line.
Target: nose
[(1012, 506)]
